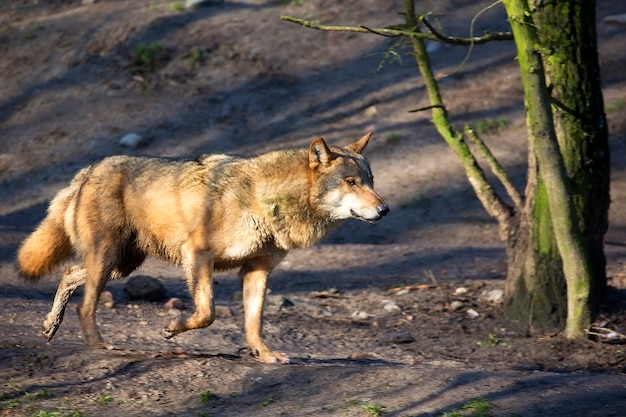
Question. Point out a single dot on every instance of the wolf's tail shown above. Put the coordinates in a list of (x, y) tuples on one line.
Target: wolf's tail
[(49, 244)]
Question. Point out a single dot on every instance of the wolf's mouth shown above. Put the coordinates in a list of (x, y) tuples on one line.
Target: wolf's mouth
[(373, 220), (381, 211)]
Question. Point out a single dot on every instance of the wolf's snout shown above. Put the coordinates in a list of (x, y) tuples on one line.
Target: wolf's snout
[(382, 209)]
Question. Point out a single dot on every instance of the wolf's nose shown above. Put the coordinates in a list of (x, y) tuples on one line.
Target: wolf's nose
[(382, 209)]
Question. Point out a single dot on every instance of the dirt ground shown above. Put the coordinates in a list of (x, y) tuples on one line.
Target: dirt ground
[(368, 316)]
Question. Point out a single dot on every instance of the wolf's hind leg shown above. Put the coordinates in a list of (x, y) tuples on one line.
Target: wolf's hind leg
[(73, 277), (100, 265)]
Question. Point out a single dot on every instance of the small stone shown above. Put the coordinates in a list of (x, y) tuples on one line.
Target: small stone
[(460, 291), (360, 315), (397, 337), (106, 299), (143, 287), (371, 111), (223, 312), (131, 140), (176, 303), (392, 307), (334, 290), (456, 305), (494, 297), (472, 314)]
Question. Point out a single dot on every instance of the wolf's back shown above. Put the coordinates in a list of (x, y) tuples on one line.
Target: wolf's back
[(49, 244)]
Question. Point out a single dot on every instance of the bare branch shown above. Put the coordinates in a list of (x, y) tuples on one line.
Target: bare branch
[(474, 40), (434, 106), (362, 29), (495, 166), (392, 31)]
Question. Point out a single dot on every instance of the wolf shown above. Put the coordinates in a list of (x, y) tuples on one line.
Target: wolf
[(213, 213)]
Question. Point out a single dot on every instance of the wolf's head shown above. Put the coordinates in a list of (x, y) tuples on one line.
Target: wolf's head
[(343, 184)]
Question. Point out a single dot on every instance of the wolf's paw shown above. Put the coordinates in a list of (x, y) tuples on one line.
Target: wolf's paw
[(171, 330), (168, 333), (273, 357), (107, 346), (49, 329)]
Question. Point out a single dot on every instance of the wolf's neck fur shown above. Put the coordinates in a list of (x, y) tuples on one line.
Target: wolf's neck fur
[(283, 192)]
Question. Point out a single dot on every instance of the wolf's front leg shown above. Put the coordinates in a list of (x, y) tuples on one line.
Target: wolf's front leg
[(199, 271), (254, 274), (73, 277)]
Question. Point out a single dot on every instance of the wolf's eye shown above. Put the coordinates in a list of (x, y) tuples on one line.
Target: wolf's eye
[(351, 182)]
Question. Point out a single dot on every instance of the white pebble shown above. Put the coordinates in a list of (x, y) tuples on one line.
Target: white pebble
[(456, 305), (492, 296), (460, 291), (392, 307), (131, 140), (473, 313), (360, 315)]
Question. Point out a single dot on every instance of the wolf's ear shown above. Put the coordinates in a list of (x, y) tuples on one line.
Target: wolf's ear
[(360, 144), (319, 153)]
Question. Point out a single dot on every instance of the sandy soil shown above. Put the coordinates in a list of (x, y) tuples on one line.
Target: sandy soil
[(234, 78)]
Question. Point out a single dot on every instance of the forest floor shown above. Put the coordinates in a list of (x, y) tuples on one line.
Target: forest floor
[(384, 319)]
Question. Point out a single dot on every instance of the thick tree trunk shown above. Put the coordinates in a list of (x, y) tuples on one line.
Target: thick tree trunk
[(567, 37), (558, 204)]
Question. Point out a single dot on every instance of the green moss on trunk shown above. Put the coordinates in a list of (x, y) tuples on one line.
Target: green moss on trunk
[(536, 285)]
